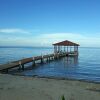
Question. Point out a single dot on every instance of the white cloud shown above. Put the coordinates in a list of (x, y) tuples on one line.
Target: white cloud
[(83, 40), (47, 39), (14, 31)]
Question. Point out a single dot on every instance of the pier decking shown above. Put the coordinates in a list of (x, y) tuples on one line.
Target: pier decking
[(58, 53), (20, 63)]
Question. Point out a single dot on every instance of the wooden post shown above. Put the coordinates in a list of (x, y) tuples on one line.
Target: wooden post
[(19, 68), (58, 55), (41, 59), (22, 66), (70, 49), (67, 49), (58, 48), (6, 70), (33, 62), (77, 48), (74, 48), (55, 49), (64, 48), (47, 59), (55, 56)]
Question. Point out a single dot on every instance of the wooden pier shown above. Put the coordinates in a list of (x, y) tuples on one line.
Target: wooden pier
[(20, 63), (58, 53)]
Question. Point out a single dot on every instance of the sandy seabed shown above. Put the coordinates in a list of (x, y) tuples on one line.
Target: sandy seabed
[(33, 88)]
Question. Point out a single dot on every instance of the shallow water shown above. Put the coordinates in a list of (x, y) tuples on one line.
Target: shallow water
[(86, 66)]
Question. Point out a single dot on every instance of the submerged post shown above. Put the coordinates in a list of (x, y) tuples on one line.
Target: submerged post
[(55, 49), (21, 65), (64, 49), (33, 61), (67, 49), (42, 58)]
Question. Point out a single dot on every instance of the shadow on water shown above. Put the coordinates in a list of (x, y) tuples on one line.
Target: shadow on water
[(70, 61), (58, 68), (54, 67), (65, 67), (86, 66)]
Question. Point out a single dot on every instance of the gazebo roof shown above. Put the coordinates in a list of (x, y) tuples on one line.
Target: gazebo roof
[(66, 43)]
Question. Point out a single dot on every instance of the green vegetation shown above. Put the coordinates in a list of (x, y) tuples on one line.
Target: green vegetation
[(62, 98)]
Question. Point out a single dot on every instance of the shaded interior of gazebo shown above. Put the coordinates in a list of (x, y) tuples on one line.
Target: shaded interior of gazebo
[(65, 46)]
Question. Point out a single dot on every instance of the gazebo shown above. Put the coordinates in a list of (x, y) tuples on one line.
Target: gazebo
[(66, 46)]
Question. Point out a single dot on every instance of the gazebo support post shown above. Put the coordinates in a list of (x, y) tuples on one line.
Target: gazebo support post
[(67, 49), (70, 48), (66, 46), (74, 48), (58, 49), (77, 48), (55, 49)]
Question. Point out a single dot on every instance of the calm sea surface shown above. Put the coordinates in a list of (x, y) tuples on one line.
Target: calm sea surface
[(86, 66)]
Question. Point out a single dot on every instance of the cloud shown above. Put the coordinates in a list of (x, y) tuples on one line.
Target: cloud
[(47, 39), (82, 39), (13, 31)]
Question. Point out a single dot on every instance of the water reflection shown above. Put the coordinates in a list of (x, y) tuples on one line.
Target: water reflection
[(61, 67), (68, 61), (84, 66)]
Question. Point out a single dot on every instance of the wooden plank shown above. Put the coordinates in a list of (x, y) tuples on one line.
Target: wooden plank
[(8, 66), (38, 58), (26, 60), (32, 59)]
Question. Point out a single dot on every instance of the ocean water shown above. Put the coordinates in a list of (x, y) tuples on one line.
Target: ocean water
[(8, 54), (84, 67)]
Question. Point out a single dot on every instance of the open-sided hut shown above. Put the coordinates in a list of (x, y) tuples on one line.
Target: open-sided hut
[(66, 46)]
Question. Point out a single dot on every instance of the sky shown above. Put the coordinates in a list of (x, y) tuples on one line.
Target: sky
[(44, 22)]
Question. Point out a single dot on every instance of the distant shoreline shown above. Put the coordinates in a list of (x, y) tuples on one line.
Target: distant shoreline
[(23, 47), (40, 47)]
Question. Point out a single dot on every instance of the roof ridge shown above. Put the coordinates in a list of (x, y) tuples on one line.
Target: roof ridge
[(66, 43)]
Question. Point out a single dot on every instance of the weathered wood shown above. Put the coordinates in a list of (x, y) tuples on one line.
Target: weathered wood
[(48, 57), (8, 66)]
